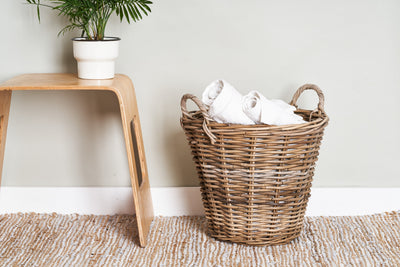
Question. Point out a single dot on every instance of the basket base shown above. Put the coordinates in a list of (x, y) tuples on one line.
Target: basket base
[(265, 240)]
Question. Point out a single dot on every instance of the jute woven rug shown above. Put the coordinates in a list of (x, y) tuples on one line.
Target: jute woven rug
[(83, 240)]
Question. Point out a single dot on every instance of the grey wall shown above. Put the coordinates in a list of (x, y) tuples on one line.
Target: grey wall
[(351, 49)]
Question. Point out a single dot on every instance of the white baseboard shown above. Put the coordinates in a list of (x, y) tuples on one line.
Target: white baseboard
[(177, 201)]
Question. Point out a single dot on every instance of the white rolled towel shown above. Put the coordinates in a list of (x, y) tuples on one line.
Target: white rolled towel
[(225, 103), (273, 112)]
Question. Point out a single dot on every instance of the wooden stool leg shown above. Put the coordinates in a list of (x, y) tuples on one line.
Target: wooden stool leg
[(5, 100), (139, 178), (137, 167), (144, 206)]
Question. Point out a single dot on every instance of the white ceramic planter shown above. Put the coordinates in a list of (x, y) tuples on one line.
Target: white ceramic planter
[(96, 59)]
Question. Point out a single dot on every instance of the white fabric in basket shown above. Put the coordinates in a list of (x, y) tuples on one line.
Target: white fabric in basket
[(225, 103), (273, 112)]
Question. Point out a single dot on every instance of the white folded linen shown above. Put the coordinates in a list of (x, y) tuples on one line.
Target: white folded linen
[(273, 112), (225, 103)]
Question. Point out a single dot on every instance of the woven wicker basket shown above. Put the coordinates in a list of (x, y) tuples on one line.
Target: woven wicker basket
[(255, 179)]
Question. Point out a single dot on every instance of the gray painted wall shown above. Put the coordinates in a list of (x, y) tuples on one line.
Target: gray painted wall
[(351, 49)]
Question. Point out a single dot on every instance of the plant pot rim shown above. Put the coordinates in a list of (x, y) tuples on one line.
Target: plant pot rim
[(106, 39)]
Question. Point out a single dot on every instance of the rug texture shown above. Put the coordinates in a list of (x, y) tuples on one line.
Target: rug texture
[(83, 240)]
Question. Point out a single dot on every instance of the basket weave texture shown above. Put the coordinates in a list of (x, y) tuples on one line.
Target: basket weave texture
[(255, 179)]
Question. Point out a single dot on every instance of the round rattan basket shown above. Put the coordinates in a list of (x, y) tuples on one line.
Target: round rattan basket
[(255, 179)]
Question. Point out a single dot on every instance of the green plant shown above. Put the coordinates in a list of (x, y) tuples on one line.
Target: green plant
[(91, 16)]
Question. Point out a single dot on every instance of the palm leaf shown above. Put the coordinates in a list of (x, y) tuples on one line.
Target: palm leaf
[(91, 16)]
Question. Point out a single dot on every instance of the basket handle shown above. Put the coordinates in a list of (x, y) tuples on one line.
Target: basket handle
[(197, 101), (309, 87), (203, 110)]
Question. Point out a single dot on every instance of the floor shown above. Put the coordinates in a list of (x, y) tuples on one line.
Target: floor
[(30, 239)]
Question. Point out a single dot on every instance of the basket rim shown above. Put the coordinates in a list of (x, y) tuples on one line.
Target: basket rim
[(208, 124), (321, 119)]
